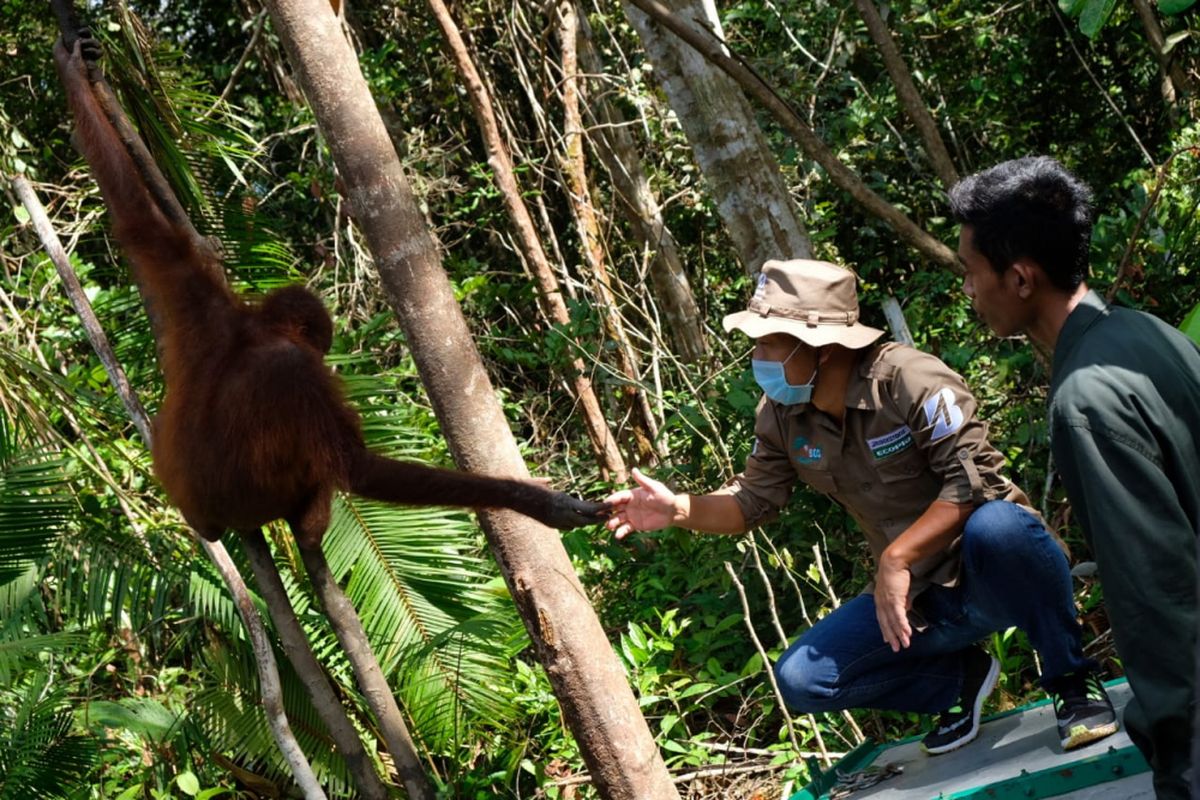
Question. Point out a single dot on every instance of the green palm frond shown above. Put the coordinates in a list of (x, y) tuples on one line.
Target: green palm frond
[(229, 709), (16, 594), (209, 597), (18, 654), (34, 506), (30, 394), (110, 579), (40, 756), (419, 589), (231, 713)]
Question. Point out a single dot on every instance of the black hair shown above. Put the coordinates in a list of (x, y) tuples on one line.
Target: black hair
[(1029, 207)]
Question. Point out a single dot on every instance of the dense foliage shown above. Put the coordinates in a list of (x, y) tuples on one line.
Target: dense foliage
[(124, 670)]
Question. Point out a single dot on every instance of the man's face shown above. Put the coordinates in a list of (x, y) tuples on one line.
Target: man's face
[(993, 295), (778, 346)]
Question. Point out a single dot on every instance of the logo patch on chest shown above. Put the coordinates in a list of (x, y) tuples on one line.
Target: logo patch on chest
[(891, 443), (805, 453)]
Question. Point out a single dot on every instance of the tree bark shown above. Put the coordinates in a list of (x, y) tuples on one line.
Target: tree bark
[(603, 442), (730, 148), (595, 255), (586, 676), (705, 42), (1175, 80), (638, 203), (906, 90)]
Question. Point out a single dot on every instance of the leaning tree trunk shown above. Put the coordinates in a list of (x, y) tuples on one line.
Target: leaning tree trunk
[(739, 169), (586, 676), (638, 203), (906, 90)]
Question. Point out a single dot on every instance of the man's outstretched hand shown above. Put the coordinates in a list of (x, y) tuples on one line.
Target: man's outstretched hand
[(647, 507)]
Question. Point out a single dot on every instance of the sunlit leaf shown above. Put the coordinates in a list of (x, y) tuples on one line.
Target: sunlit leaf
[(1191, 324)]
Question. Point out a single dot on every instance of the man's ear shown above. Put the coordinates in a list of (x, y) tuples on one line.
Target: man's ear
[(1025, 275)]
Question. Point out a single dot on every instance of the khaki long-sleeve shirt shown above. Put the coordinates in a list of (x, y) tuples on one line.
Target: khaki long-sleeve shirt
[(910, 436)]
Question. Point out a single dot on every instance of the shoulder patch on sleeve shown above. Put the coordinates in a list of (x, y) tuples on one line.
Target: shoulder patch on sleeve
[(943, 414)]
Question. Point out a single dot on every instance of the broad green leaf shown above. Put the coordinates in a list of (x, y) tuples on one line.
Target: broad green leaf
[(1095, 14), (143, 716), (696, 688), (1175, 6), (188, 783)]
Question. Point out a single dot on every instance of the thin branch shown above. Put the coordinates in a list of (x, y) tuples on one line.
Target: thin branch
[(1123, 269), (833, 598), (820, 738), (83, 308), (549, 292), (259, 22), (762, 652), (1107, 98)]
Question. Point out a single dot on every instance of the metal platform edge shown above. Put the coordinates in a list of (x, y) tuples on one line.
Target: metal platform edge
[(1112, 765)]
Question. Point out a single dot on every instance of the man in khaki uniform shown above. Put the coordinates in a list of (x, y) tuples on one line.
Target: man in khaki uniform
[(891, 434)]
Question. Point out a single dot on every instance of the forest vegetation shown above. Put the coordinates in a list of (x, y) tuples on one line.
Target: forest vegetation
[(600, 195)]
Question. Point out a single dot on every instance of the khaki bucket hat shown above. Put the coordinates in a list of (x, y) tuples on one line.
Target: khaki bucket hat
[(814, 301)]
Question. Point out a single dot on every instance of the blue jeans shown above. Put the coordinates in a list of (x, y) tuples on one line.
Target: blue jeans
[(1013, 574)]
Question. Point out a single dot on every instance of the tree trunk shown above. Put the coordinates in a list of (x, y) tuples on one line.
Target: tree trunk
[(1175, 80), (638, 203), (705, 42), (603, 442), (586, 676), (595, 255), (906, 90), (738, 167)]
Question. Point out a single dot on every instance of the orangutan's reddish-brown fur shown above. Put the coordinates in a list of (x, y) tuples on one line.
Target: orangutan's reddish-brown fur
[(253, 426)]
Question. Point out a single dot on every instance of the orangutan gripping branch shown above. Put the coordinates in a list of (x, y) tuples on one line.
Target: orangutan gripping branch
[(254, 426)]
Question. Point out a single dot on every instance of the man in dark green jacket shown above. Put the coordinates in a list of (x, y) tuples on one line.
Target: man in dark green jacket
[(1124, 422)]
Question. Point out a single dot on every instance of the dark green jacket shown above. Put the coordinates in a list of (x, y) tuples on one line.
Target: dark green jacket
[(1124, 422)]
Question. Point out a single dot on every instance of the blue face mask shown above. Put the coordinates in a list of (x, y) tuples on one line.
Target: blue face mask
[(773, 381)]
